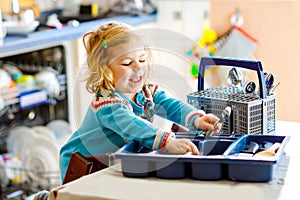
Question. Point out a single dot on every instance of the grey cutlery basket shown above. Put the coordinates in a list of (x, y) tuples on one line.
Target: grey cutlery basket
[(251, 113)]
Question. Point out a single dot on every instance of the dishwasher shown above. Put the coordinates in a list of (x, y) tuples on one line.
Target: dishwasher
[(34, 119)]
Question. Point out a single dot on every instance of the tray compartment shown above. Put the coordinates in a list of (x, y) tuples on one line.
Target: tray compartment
[(210, 168), (214, 146), (174, 167), (242, 172), (133, 165), (253, 169), (171, 169), (136, 168)]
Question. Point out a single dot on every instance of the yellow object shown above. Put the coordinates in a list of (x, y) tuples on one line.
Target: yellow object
[(207, 40), (90, 9), (209, 36), (25, 78), (94, 10)]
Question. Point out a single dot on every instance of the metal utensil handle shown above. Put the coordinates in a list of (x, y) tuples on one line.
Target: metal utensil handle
[(210, 133), (247, 64)]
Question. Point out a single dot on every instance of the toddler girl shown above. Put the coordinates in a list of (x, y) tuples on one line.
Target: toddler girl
[(124, 104)]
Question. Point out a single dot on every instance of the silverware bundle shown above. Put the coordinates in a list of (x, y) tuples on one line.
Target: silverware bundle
[(235, 80)]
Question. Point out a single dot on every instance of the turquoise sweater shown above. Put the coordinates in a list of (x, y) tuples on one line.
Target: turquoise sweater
[(112, 120)]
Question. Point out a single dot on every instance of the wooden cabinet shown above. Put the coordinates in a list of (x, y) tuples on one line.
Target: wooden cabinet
[(6, 6), (183, 16), (276, 26)]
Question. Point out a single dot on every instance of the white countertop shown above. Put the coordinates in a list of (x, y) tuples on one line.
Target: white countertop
[(111, 184)]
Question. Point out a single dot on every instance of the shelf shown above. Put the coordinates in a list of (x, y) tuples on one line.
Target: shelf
[(14, 45)]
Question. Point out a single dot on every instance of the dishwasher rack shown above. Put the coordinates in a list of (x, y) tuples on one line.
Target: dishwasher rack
[(48, 107), (23, 186)]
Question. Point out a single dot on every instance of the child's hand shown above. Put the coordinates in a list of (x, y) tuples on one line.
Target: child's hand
[(206, 123), (181, 146)]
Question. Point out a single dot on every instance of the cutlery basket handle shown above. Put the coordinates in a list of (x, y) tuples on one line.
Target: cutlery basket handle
[(247, 64)]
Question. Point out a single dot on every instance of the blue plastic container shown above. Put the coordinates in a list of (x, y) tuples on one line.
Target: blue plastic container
[(219, 159), (210, 168), (253, 169), (134, 162)]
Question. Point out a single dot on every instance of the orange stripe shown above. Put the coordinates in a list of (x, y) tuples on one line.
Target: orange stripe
[(245, 34)]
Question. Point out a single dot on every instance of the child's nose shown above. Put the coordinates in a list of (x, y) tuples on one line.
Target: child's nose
[(136, 67)]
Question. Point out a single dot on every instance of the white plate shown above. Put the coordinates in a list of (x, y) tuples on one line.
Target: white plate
[(19, 137), (14, 170), (61, 129), (43, 131), (3, 176), (20, 28), (43, 157)]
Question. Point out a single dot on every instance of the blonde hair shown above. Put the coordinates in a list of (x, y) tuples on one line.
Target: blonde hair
[(97, 44)]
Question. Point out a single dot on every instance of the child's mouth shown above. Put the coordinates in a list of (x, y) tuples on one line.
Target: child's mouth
[(136, 80)]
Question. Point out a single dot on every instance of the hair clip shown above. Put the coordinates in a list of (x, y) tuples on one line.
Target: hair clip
[(104, 44)]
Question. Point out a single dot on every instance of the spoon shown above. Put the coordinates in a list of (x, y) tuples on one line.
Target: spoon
[(235, 76), (250, 87), (271, 151), (224, 117), (269, 82)]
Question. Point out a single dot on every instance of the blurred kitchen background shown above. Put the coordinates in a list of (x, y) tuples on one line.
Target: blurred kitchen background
[(40, 43)]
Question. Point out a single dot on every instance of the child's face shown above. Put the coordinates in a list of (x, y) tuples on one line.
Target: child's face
[(129, 70)]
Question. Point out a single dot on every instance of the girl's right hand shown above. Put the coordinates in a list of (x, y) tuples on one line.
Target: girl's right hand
[(181, 146), (206, 123)]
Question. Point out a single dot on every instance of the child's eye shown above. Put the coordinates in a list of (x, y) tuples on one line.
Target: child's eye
[(142, 60), (126, 64)]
